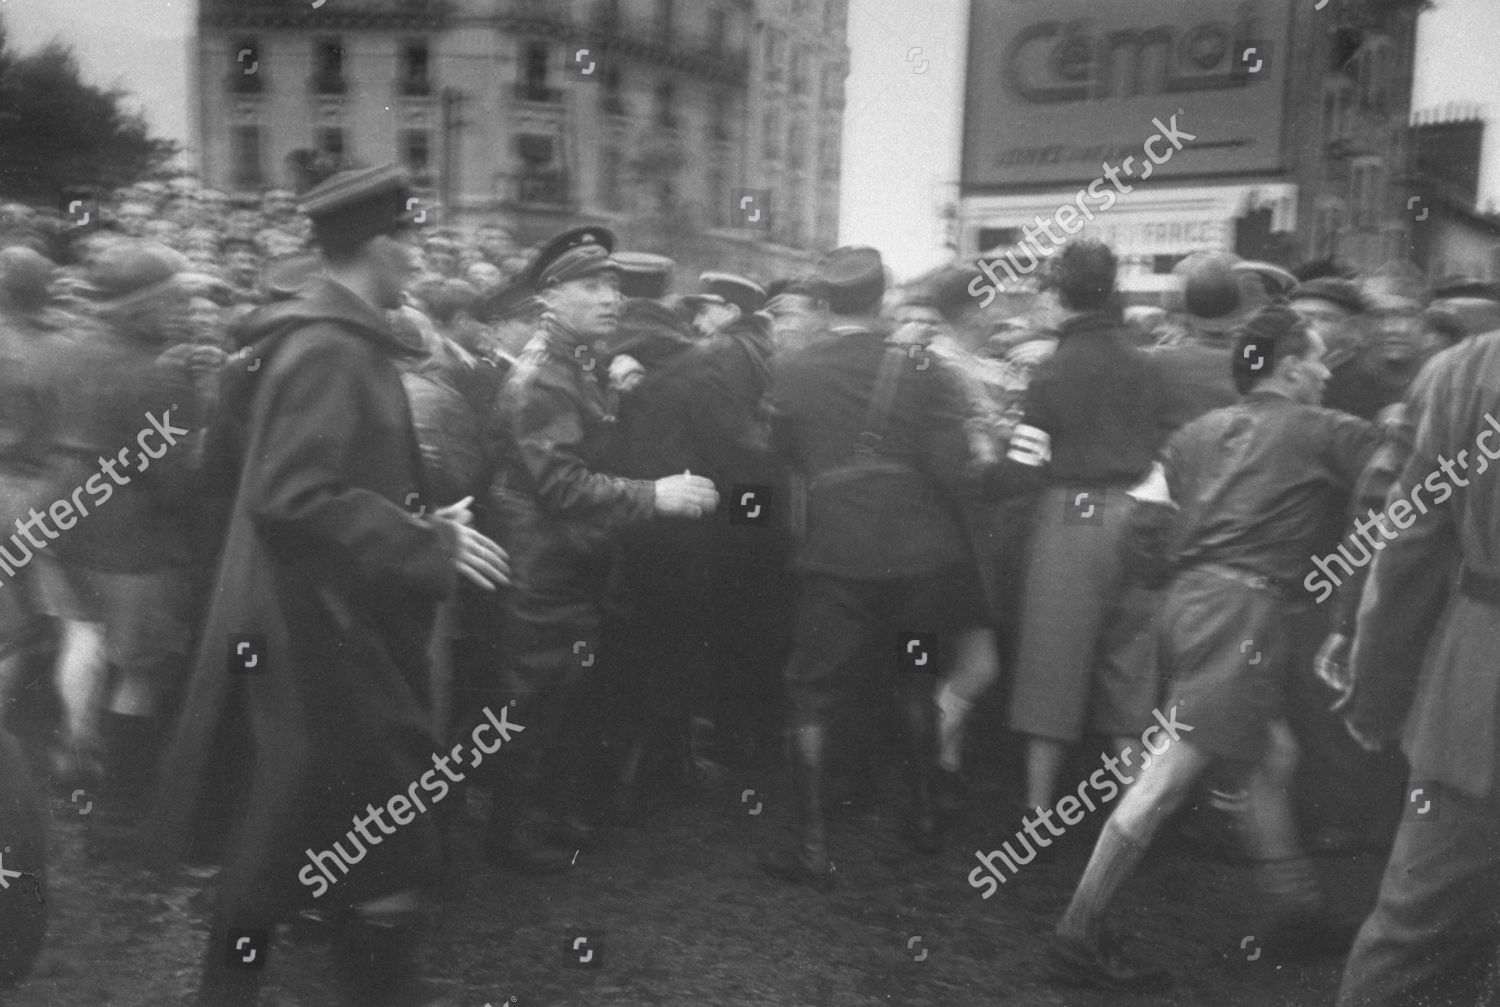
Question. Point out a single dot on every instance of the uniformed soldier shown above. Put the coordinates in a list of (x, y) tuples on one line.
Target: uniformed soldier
[(561, 506), (885, 563)]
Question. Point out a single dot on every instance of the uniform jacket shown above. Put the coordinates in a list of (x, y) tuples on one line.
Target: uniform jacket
[(337, 582), (881, 526), (1424, 653), (556, 496)]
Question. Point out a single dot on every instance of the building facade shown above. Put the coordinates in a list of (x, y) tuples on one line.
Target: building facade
[(707, 129), (1271, 128), (1451, 236)]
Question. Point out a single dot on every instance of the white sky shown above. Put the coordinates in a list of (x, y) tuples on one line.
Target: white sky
[(902, 121)]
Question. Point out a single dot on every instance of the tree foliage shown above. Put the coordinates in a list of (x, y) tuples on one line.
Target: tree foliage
[(58, 132)]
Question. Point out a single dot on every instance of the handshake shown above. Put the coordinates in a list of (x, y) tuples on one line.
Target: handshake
[(686, 495)]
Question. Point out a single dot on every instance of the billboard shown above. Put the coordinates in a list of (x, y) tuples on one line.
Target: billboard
[(1056, 89)]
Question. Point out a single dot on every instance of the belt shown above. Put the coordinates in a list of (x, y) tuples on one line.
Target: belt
[(1278, 587), (1483, 587)]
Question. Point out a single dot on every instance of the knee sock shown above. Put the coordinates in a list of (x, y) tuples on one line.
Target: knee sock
[(953, 710), (1115, 858)]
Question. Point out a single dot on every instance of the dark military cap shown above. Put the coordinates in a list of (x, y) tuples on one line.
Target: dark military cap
[(352, 207), (1336, 290), (643, 274), (745, 294), (854, 276), (572, 255)]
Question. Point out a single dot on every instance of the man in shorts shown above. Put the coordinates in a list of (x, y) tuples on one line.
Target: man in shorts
[(1257, 485)]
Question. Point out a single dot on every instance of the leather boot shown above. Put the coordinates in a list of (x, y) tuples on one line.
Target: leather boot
[(919, 719), (806, 863), (515, 836), (220, 985), (374, 955)]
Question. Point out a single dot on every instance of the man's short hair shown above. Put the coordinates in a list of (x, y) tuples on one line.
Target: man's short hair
[(1269, 336), (1084, 275)]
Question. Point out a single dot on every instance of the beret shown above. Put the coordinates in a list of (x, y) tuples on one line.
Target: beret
[(644, 274), (854, 277), (1210, 289)]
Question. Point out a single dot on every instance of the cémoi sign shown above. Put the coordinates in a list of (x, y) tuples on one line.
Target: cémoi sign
[(1056, 88)]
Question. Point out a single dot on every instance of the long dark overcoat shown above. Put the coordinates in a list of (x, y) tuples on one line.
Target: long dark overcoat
[(335, 581)]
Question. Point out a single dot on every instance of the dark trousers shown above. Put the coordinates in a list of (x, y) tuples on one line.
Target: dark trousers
[(841, 622), (1434, 937)]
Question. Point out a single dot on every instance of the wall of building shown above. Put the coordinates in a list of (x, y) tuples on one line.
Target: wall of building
[(649, 115)]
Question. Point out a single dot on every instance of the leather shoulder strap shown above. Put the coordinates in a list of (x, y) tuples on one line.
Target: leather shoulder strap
[(883, 398)]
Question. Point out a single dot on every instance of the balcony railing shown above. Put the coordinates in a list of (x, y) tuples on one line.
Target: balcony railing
[(414, 87), (636, 39), (409, 15), (327, 83)]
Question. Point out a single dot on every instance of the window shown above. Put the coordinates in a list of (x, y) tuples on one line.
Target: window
[(328, 77), (665, 10), (718, 193), (1364, 194), (799, 70), (773, 54), (331, 143), (718, 30), (540, 180), (416, 151), (414, 63), (533, 85), (796, 146), (721, 116), (612, 96), (607, 15), (666, 106), (244, 152), (997, 237), (771, 134), (247, 74), (829, 154), (611, 167)]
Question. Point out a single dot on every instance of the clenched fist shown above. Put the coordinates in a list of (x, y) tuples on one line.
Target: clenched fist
[(686, 495)]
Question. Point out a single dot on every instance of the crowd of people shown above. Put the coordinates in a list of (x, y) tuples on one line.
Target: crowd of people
[(330, 488)]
